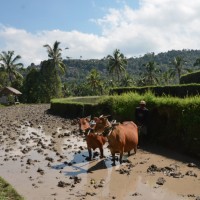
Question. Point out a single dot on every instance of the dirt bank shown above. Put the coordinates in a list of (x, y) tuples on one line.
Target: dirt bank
[(44, 157)]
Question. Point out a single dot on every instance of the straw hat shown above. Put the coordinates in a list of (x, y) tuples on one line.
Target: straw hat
[(142, 102)]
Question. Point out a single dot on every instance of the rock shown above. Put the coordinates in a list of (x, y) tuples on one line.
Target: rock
[(30, 162), (160, 181), (63, 184), (136, 194), (49, 159), (190, 173), (191, 165), (41, 171)]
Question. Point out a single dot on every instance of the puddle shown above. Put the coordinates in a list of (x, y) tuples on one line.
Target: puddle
[(34, 162)]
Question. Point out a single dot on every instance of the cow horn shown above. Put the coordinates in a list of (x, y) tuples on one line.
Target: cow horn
[(114, 123), (89, 117), (102, 116)]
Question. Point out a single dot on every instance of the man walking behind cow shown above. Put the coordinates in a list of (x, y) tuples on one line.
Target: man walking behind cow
[(141, 119)]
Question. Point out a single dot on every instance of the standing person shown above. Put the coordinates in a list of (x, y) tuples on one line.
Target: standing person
[(141, 118)]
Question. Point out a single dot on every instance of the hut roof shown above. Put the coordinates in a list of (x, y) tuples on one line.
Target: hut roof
[(10, 90)]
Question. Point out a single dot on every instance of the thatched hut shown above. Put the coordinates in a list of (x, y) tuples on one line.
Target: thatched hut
[(9, 95)]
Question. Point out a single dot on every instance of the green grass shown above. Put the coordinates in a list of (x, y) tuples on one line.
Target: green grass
[(7, 192), (84, 100)]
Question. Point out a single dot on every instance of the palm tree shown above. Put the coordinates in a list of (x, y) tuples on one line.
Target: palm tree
[(151, 73), (178, 64), (3, 78), (127, 80), (117, 63), (197, 62), (10, 65), (55, 57), (167, 77), (94, 80)]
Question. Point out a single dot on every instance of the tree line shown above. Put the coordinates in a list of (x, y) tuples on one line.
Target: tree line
[(61, 77)]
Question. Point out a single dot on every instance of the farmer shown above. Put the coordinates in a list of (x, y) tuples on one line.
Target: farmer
[(141, 119)]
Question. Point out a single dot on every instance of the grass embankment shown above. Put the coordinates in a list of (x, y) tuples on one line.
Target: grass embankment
[(7, 192)]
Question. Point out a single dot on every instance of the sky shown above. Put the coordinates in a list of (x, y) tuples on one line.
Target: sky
[(93, 29)]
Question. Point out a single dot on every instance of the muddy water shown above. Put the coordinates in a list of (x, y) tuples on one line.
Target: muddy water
[(45, 165)]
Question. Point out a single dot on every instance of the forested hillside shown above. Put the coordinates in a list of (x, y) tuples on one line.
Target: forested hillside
[(58, 77), (77, 69)]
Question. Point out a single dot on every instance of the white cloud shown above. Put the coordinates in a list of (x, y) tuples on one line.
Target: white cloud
[(157, 26)]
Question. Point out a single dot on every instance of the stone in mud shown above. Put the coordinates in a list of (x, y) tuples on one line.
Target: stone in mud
[(161, 181), (41, 171), (63, 184), (136, 194), (153, 168), (90, 193), (49, 159), (191, 165), (177, 175), (190, 173), (30, 162)]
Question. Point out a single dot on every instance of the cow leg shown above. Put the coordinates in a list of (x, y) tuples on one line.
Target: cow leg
[(135, 149), (90, 154), (101, 152), (129, 153), (120, 158), (113, 158)]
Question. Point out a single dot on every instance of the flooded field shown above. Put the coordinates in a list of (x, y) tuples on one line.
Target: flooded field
[(44, 157)]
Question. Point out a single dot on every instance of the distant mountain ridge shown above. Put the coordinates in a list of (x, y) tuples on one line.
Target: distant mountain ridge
[(77, 68)]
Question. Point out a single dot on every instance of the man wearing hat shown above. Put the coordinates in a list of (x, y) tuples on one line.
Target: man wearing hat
[(141, 119)]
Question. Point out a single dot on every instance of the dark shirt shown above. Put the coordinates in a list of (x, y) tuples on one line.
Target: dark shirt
[(141, 116)]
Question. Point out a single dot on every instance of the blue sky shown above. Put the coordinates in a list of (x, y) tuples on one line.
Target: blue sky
[(95, 28), (66, 15)]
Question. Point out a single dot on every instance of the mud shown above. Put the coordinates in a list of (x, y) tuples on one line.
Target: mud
[(44, 157)]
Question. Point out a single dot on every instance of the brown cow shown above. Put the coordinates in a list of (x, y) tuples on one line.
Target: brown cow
[(93, 140), (121, 137)]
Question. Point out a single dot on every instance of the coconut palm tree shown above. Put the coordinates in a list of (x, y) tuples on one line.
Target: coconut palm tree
[(10, 65), (178, 64), (150, 73), (197, 62), (167, 77), (127, 81), (54, 54), (117, 63), (94, 80)]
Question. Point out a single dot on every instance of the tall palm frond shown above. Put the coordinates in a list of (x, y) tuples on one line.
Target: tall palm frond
[(54, 53), (94, 80), (10, 65), (150, 73), (117, 63), (178, 64)]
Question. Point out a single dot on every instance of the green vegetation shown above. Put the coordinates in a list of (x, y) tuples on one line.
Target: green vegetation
[(7, 192), (193, 77), (117, 64), (83, 100), (92, 77), (182, 91), (58, 77), (8, 63), (173, 121)]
